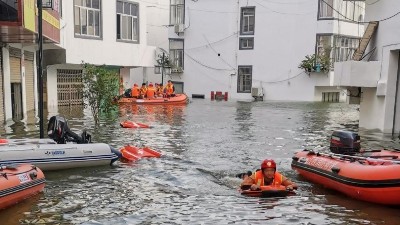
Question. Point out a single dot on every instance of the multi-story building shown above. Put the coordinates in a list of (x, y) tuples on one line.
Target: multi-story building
[(100, 32), (256, 46), (18, 83), (377, 75)]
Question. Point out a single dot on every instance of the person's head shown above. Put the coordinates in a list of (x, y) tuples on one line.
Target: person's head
[(156, 84), (143, 84), (169, 81), (150, 85), (268, 168), (135, 85)]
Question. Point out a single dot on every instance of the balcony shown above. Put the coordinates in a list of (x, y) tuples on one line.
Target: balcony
[(18, 22), (356, 74)]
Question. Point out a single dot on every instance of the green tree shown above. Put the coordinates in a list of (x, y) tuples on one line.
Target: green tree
[(100, 85)]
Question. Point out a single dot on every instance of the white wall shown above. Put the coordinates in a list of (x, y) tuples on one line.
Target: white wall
[(157, 23), (378, 112), (284, 35), (107, 50), (7, 84)]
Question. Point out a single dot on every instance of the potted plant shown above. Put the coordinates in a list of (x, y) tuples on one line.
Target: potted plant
[(308, 63)]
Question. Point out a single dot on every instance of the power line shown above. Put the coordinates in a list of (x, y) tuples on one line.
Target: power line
[(358, 21), (204, 65), (279, 81), (212, 42), (372, 2), (284, 13)]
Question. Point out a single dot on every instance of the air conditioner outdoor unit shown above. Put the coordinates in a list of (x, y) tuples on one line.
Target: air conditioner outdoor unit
[(177, 70), (179, 28), (256, 92)]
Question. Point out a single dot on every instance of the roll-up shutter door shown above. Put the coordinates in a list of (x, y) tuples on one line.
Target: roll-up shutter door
[(29, 80)]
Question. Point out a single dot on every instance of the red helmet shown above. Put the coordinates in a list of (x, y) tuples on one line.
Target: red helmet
[(135, 85), (268, 163)]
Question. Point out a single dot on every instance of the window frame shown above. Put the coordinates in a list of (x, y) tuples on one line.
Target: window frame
[(170, 12), (245, 38), (343, 11), (130, 16), (334, 48), (239, 75), (183, 52), (88, 36), (242, 32)]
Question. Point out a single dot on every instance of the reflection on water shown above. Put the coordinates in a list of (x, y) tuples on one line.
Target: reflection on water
[(204, 144)]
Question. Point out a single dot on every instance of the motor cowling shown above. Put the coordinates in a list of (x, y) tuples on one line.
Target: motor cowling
[(59, 131), (345, 142)]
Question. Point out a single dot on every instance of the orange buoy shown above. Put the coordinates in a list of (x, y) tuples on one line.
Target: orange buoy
[(132, 153), (130, 124), (18, 183)]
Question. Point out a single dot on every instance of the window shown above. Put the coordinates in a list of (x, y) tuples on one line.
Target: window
[(325, 9), (247, 20), (244, 79), (177, 12), (345, 48), (176, 53), (339, 48), (344, 9), (87, 18), (127, 21), (330, 96), (246, 43)]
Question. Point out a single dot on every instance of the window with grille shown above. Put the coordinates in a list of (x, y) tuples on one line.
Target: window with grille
[(247, 20), (87, 18), (176, 52), (69, 87), (127, 21), (330, 96), (339, 48), (244, 79), (177, 12)]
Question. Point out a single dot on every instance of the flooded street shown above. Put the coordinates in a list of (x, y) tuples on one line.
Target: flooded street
[(204, 144)]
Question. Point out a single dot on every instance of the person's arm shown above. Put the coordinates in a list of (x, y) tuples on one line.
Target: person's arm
[(288, 183)]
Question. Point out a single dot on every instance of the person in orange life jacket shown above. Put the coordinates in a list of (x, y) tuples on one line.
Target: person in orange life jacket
[(151, 91), (135, 91), (143, 91), (159, 90), (267, 176), (170, 90)]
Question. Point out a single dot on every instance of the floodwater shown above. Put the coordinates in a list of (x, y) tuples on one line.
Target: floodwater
[(204, 144)]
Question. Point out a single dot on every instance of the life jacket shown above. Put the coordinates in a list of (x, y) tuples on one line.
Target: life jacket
[(170, 89), (151, 91), (160, 90), (143, 90), (259, 178), (135, 92)]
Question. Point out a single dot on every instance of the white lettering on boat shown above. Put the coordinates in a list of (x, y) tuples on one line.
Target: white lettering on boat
[(57, 152), (23, 178)]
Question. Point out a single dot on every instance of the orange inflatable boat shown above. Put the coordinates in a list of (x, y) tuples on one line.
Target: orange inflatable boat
[(18, 182), (268, 191), (178, 99), (369, 179), (131, 124), (132, 153)]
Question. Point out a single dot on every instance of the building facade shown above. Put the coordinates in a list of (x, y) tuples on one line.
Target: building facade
[(377, 75), (255, 47), (19, 25), (100, 32)]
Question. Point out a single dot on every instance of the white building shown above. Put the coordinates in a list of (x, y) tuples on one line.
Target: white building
[(379, 77), (234, 46), (101, 32)]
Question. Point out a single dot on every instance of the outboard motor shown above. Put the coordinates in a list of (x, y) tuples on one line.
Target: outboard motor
[(59, 131), (345, 142)]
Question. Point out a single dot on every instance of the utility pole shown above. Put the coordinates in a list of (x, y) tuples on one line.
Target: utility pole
[(40, 66), (162, 69)]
